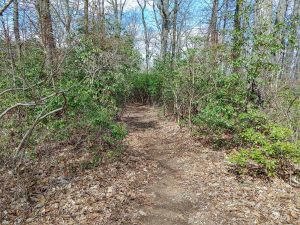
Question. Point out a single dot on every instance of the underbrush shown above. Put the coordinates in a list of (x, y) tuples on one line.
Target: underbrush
[(260, 144), (238, 112), (146, 87), (80, 103)]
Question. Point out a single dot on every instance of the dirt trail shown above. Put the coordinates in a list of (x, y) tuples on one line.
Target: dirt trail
[(193, 185)]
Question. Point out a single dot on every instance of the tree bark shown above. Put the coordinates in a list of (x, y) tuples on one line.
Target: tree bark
[(263, 16), (2, 10), (146, 36), (86, 18), (225, 18), (68, 17), (16, 29), (292, 58), (163, 7), (280, 20), (45, 22), (213, 31), (118, 10), (237, 36), (174, 26), (102, 21)]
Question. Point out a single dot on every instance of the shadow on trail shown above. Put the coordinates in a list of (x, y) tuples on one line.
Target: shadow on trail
[(134, 124), (137, 121)]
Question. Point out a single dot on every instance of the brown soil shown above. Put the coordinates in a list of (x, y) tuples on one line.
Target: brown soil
[(164, 177), (193, 185)]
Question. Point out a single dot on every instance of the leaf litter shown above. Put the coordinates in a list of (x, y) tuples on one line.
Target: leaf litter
[(163, 177)]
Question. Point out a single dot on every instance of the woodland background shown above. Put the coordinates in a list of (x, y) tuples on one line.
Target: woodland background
[(227, 69)]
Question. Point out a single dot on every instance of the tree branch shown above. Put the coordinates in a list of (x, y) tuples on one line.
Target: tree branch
[(292, 102), (21, 89), (17, 105), (36, 122), (35, 103), (5, 7)]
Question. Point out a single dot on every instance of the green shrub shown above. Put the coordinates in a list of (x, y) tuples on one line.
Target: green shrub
[(220, 111), (118, 131), (146, 87), (93, 96), (269, 148)]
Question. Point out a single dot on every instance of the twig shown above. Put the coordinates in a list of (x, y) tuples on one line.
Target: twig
[(292, 102), (17, 105), (21, 89), (5, 7), (38, 119), (35, 103)]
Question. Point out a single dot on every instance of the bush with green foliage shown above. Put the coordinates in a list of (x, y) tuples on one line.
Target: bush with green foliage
[(92, 86), (227, 98), (270, 149), (146, 87)]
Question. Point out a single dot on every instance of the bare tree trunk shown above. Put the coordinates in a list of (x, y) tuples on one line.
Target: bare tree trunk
[(146, 36), (212, 37), (292, 60), (118, 10), (180, 28), (10, 51), (86, 18), (121, 12), (8, 3), (17, 30), (45, 21), (68, 16), (263, 16), (117, 22), (280, 17), (213, 32), (237, 36), (102, 21), (174, 25), (263, 27), (281, 11), (225, 13), (163, 7)]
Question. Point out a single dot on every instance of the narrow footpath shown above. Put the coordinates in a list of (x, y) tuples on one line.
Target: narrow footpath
[(193, 184)]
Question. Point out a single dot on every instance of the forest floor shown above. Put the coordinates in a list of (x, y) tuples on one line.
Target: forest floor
[(193, 184), (164, 177)]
